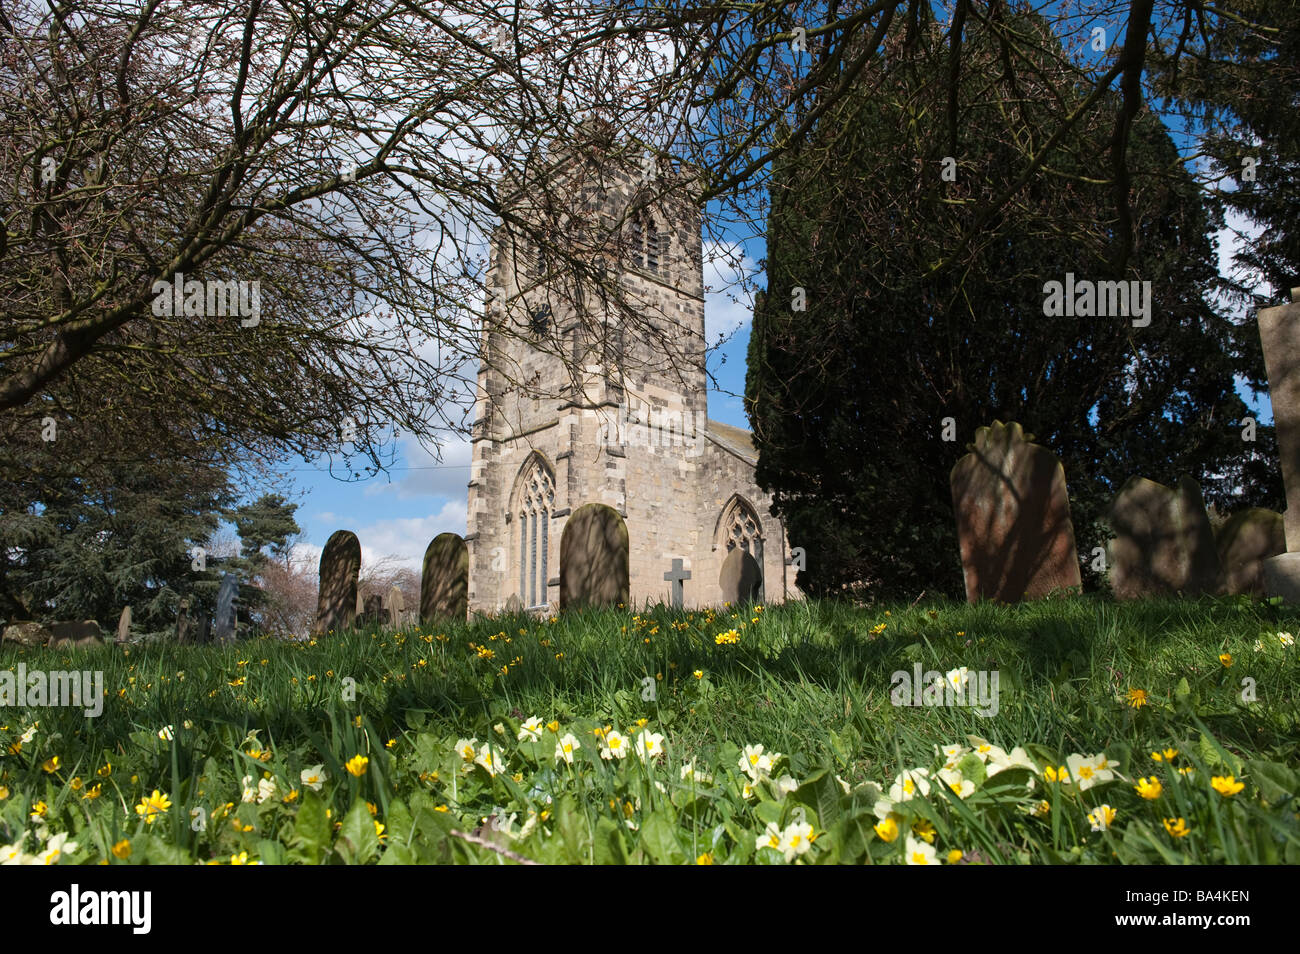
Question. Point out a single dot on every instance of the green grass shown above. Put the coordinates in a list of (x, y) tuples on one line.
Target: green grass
[(810, 681)]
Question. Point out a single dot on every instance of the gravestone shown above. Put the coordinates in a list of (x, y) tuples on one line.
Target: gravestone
[(741, 578), (444, 580), (84, 633), (1013, 518), (1279, 333), (340, 563), (1163, 543), (677, 576), (223, 627), (124, 625), (396, 607), (594, 558), (184, 624), (204, 635), (373, 613), (1244, 542)]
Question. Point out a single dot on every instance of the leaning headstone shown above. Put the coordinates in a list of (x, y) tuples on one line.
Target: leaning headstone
[(444, 579), (26, 634), (1279, 333), (84, 633), (396, 607), (223, 628), (1244, 542), (124, 625), (340, 563), (741, 578), (594, 558), (1013, 518), (1163, 543)]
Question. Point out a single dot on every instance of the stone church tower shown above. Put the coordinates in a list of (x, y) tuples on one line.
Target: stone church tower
[(597, 397)]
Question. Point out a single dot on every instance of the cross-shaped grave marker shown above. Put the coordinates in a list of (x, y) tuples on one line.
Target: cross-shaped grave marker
[(676, 576)]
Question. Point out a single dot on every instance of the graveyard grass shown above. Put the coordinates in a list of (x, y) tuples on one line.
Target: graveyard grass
[(1121, 736)]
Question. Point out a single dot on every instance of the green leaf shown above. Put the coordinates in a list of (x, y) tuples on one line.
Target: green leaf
[(1276, 782), (358, 842), (659, 839), (311, 833)]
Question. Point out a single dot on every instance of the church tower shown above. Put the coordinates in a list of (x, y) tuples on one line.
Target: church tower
[(594, 390)]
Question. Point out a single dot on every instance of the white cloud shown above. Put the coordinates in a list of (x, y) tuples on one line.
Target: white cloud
[(728, 283), (423, 475), (406, 538)]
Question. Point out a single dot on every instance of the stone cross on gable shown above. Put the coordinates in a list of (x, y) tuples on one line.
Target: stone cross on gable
[(676, 576)]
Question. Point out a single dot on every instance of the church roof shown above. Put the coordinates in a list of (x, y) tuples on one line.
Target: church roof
[(735, 439)]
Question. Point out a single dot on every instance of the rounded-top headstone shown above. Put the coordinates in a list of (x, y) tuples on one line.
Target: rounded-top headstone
[(594, 558), (1244, 542), (1013, 518), (741, 578), (444, 580), (340, 564), (1163, 542)]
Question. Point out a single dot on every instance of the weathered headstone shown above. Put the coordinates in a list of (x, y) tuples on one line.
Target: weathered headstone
[(444, 579), (396, 607), (1163, 543), (741, 578), (340, 563), (1244, 542), (204, 634), (1279, 333), (1013, 518), (223, 626), (677, 576), (594, 558), (124, 625), (185, 630), (84, 633), (373, 614)]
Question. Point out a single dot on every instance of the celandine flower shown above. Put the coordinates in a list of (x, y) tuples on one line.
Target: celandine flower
[(1101, 817), (357, 765), (1149, 788), (152, 806), (1177, 827), (1137, 698), (1226, 785)]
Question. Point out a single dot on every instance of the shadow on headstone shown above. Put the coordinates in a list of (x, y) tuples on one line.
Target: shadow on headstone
[(1163, 543), (1013, 518), (1245, 541), (340, 564), (741, 578), (594, 558), (444, 580)]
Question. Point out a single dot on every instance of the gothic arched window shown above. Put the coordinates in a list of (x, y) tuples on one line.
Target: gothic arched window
[(740, 528), (536, 501)]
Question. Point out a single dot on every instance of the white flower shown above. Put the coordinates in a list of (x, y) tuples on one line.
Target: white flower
[(1286, 639), (1087, 771), (615, 746), (56, 847), (986, 752), (772, 837), (747, 791), (958, 678), (919, 852), (530, 731), (689, 773), (565, 748), (250, 793), (465, 748), (166, 732), (756, 764), (29, 734), (951, 754), (314, 777), (489, 761), (783, 786), (188, 724), (909, 784), (961, 786), (1101, 818), (1259, 645), (843, 784), (796, 840), (265, 789), (649, 745), (14, 854), (1016, 758)]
